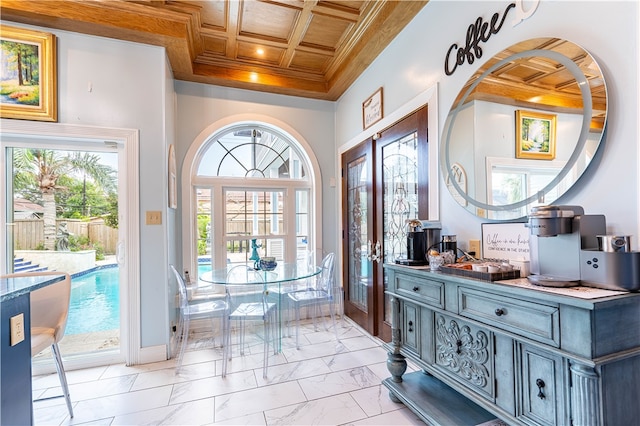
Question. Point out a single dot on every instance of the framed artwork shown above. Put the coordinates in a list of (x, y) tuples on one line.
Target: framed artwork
[(28, 80), (372, 109), (173, 180), (535, 135)]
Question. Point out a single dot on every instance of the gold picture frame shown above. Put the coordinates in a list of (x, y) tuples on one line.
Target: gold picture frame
[(28, 83), (372, 109), (535, 135)]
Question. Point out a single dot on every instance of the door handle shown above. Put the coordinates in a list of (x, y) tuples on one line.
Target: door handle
[(120, 253), (371, 255)]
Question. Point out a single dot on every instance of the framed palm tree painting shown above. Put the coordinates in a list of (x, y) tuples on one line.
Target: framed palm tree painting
[(27, 74)]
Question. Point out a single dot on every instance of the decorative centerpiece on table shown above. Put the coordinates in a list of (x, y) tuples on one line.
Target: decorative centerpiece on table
[(268, 263), (254, 254)]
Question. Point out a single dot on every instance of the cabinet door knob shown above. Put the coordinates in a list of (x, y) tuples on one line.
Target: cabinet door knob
[(540, 384), (499, 312), (410, 326), (416, 288)]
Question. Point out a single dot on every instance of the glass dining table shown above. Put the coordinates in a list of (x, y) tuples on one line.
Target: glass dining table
[(286, 277)]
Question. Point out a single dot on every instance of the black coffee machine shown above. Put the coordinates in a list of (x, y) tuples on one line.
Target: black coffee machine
[(420, 236)]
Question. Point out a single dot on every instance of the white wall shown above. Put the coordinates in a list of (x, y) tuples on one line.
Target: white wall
[(111, 83), (608, 30), (201, 105)]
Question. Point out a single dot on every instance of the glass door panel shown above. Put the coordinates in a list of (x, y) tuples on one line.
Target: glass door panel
[(402, 193), (357, 235), (63, 211), (258, 215), (400, 201), (400, 198)]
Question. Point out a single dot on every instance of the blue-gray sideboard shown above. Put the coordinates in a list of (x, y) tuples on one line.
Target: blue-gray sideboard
[(526, 355)]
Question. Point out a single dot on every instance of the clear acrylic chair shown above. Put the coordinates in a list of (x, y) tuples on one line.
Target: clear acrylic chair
[(49, 311), (209, 309), (247, 295), (323, 291), (305, 260)]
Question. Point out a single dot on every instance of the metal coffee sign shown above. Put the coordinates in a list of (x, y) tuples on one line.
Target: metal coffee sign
[(480, 32)]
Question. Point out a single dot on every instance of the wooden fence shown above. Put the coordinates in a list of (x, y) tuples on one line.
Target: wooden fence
[(29, 233)]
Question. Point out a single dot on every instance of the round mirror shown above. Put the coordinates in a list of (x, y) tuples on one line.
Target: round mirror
[(524, 128)]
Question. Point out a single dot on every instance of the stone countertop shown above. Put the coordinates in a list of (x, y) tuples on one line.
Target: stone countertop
[(13, 287), (579, 296)]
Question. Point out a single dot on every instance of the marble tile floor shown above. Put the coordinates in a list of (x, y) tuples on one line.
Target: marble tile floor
[(323, 383)]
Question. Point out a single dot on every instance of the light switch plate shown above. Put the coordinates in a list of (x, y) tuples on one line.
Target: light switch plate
[(474, 246), (154, 218), (17, 329)]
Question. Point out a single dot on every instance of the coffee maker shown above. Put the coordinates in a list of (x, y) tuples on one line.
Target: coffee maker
[(613, 266), (558, 236), (420, 236)]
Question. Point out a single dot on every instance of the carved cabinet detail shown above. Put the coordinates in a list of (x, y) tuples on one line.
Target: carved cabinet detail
[(463, 351)]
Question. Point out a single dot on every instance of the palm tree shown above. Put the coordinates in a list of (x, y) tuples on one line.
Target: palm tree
[(39, 170)]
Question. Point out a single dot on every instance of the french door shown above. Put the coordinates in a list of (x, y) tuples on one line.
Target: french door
[(384, 183), (122, 151)]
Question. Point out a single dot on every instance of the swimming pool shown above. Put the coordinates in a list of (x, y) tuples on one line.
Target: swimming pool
[(95, 301)]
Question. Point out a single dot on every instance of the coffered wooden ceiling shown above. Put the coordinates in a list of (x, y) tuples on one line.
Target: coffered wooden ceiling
[(309, 48)]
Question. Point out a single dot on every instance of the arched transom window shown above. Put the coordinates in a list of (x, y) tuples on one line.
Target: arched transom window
[(252, 191)]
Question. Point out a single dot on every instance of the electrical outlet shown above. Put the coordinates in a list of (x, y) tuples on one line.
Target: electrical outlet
[(17, 329), (474, 246), (154, 218)]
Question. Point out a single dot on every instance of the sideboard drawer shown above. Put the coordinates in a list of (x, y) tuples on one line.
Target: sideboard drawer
[(536, 321), (420, 289)]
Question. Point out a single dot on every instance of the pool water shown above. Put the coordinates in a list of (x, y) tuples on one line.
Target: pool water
[(95, 302), (203, 267)]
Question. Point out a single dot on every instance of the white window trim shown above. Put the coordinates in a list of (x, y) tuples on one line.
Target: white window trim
[(190, 180)]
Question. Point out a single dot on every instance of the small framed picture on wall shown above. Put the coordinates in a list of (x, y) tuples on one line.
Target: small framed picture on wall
[(372, 109)]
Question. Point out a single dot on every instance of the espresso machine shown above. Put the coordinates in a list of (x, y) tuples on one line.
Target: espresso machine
[(559, 234), (420, 236)]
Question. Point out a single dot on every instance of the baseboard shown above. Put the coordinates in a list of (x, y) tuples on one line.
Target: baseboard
[(151, 354)]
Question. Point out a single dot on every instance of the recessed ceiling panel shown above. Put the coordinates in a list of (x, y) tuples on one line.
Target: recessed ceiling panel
[(325, 31), (271, 21), (212, 13), (309, 61), (214, 45)]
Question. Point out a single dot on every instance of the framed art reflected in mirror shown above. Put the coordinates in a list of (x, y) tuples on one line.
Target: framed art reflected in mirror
[(535, 135)]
